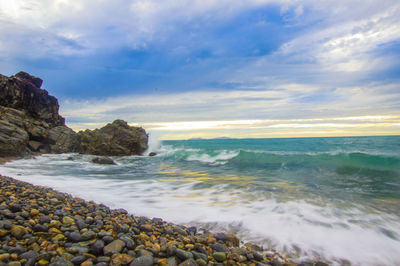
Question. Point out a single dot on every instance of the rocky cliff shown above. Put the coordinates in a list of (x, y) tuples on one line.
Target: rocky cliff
[(30, 122)]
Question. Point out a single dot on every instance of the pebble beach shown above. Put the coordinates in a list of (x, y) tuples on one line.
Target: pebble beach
[(41, 226)]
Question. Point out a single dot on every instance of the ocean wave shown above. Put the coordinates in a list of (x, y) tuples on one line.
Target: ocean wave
[(276, 160)]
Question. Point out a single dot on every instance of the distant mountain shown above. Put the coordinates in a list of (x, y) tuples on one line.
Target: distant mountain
[(219, 138)]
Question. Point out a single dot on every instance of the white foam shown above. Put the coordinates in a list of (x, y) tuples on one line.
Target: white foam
[(331, 231), (221, 158)]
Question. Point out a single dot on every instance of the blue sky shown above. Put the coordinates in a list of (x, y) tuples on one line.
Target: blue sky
[(256, 68)]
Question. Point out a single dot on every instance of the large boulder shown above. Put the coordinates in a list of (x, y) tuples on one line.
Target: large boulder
[(114, 139), (13, 138), (62, 139), (22, 92)]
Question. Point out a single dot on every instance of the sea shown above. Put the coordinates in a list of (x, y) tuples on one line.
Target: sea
[(334, 199)]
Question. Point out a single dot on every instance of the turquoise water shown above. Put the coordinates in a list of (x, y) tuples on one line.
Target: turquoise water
[(332, 198)]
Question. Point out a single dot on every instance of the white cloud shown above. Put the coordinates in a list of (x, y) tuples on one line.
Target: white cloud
[(351, 32)]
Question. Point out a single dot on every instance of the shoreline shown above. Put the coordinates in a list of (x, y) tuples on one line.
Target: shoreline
[(41, 226)]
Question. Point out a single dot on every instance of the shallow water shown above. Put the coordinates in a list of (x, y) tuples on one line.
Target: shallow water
[(331, 198)]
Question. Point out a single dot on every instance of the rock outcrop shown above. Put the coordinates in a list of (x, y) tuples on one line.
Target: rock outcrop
[(114, 139), (29, 119), (22, 92), (30, 122)]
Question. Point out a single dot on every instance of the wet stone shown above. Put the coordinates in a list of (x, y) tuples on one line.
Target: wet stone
[(172, 261), (28, 255), (201, 262), (114, 247), (15, 208), (219, 256), (88, 236), (78, 260), (121, 259), (108, 239), (103, 259), (40, 228), (97, 247), (198, 255), (74, 237), (18, 231), (219, 247), (60, 261), (258, 256), (44, 219), (183, 255), (142, 261)]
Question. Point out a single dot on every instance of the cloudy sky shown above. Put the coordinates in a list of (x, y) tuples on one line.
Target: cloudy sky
[(211, 68)]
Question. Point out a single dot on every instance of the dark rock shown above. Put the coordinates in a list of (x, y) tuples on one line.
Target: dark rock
[(114, 139), (17, 250), (44, 219), (198, 255), (80, 223), (22, 92), (219, 256), (74, 237), (142, 261), (219, 247), (40, 228), (221, 236), (15, 208), (108, 239), (192, 229), (28, 255), (114, 247), (88, 236), (320, 263), (151, 154), (258, 256), (103, 160), (97, 247), (183, 255), (78, 260)]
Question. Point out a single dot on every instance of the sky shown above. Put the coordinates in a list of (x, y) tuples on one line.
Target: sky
[(213, 68)]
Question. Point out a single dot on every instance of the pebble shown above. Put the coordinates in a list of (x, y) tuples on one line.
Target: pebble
[(219, 256), (40, 226), (114, 247), (143, 261)]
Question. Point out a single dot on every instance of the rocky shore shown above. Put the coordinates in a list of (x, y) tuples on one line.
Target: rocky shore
[(40, 226), (30, 123)]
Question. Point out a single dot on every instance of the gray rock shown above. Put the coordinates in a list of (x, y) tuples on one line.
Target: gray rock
[(89, 235), (103, 160), (219, 247), (172, 261), (62, 139), (198, 255), (183, 255), (116, 138), (28, 255), (78, 260), (74, 237), (219, 256), (15, 207), (143, 261), (97, 247), (114, 247)]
